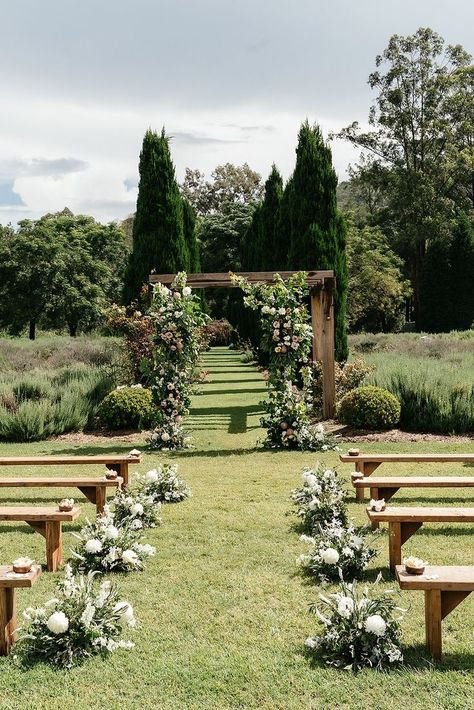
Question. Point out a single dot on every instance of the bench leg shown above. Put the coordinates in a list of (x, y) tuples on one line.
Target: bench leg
[(374, 494), (367, 468), (7, 620), (54, 549), (360, 491), (122, 470), (96, 495), (399, 533), (433, 622)]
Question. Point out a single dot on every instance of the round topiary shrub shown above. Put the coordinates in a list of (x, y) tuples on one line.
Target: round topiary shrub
[(126, 408), (369, 407)]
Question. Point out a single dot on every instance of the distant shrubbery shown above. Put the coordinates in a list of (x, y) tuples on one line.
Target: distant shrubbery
[(369, 407), (126, 408), (53, 385)]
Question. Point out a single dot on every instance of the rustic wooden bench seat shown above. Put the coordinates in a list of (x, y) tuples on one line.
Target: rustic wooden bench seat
[(445, 588), (46, 521), (387, 487), (403, 522), (368, 463), (117, 463), (95, 490), (9, 583)]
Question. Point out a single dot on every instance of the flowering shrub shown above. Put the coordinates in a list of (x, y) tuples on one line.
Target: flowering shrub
[(84, 620), (137, 328), (136, 508), (336, 549), (177, 319), (126, 408), (288, 424), (104, 546), (359, 630), (348, 376), (163, 485), (321, 499)]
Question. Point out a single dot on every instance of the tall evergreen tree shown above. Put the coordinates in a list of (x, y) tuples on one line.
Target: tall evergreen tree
[(435, 305), (158, 229), (269, 219), (189, 224), (283, 236), (318, 232)]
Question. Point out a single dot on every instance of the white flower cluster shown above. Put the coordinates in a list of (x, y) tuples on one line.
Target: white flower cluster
[(358, 629), (163, 485), (321, 499), (106, 546), (83, 620)]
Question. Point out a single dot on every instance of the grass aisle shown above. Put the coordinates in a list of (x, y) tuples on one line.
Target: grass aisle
[(223, 613)]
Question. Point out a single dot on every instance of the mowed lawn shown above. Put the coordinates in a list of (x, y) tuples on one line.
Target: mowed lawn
[(223, 610)]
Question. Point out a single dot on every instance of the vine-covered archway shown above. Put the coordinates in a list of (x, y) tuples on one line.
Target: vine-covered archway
[(321, 286)]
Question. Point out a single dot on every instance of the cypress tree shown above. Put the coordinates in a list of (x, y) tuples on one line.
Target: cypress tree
[(158, 229), (283, 234), (189, 225), (269, 221), (318, 232), (462, 274), (435, 302)]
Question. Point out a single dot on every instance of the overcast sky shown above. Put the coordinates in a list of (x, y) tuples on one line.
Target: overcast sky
[(81, 80)]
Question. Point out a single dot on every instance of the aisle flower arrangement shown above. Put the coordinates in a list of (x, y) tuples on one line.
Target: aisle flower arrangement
[(107, 547), (85, 619), (163, 485), (359, 629), (177, 320), (337, 549), (320, 501), (134, 507)]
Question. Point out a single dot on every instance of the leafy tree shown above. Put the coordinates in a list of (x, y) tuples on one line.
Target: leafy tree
[(230, 184), (221, 236), (462, 274), (436, 305), (158, 230), (377, 287), (318, 232), (418, 150)]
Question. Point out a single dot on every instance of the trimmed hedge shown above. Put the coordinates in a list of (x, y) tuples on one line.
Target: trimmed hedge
[(369, 407), (126, 408)]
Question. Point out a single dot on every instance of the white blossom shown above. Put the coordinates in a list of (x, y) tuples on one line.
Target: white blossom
[(58, 623)]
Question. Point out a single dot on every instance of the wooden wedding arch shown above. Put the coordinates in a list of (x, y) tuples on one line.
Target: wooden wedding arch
[(321, 285)]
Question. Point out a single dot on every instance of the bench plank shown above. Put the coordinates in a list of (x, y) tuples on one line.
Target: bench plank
[(57, 482), (403, 458), (455, 578), (422, 514), (37, 513), (414, 482), (65, 460)]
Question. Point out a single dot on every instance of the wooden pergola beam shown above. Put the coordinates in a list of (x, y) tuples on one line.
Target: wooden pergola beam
[(322, 285)]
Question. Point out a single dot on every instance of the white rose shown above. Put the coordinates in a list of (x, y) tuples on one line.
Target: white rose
[(330, 556), (111, 533), (151, 476), (130, 557), (282, 311), (136, 524), (375, 624), (125, 611), (93, 546), (165, 436), (311, 642), (136, 509), (58, 622), (186, 291)]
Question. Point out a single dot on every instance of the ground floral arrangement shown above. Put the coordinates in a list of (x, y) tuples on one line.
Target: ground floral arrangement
[(88, 618), (287, 338), (358, 629)]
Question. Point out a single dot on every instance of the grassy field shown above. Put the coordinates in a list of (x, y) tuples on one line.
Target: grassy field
[(432, 376), (223, 610)]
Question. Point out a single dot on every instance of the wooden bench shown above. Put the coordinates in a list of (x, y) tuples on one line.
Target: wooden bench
[(116, 463), (404, 522), (368, 463), (95, 490), (9, 583), (446, 589), (46, 521)]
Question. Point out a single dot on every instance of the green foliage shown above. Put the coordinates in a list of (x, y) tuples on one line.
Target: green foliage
[(462, 274), (348, 376), (231, 184), (61, 270), (369, 407), (377, 288), (126, 408), (418, 162), (318, 231), (159, 241), (189, 226)]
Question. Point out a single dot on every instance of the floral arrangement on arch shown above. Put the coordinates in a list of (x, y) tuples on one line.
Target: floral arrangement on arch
[(177, 320), (359, 629), (85, 619), (287, 337), (337, 549), (106, 547), (320, 501)]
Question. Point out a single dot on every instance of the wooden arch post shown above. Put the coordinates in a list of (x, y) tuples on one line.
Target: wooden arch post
[(322, 285)]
